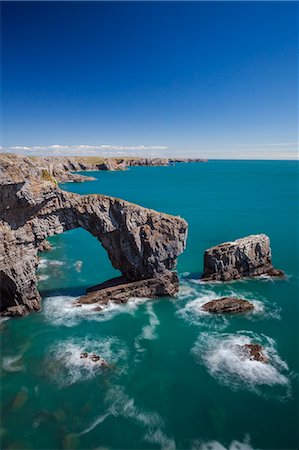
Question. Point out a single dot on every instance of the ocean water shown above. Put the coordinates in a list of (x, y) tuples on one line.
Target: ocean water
[(175, 379)]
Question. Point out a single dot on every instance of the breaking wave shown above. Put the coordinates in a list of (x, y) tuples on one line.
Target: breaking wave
[(215, 445), (221, 356), (66, 367), (13, 363), (60, 310)]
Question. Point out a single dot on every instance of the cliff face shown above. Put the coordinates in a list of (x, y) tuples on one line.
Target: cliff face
[(141, 243), (246, 257), (19, 167)]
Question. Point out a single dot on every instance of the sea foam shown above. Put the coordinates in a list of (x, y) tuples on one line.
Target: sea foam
[(60, 310), (66, 367), (221, 356)]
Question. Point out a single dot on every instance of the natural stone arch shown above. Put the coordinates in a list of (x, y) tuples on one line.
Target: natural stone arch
[(140, 242)]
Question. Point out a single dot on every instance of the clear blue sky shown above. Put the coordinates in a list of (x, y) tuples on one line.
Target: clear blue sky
[(199, 78)]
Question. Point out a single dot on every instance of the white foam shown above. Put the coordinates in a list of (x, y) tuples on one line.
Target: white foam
[(193, 313), (66, 366), (159, 438), (45, 263), (94, 424), (60, 310), (149, 331), (120, 404), (42, 277), (78, 266), (215, 445), (221, 356), (12, 363)]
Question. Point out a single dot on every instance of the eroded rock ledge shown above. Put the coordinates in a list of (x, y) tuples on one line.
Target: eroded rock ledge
[(120, 290), (140, 242), (246, 257)]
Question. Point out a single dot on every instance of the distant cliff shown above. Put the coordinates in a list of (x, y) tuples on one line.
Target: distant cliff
[(61, 167)]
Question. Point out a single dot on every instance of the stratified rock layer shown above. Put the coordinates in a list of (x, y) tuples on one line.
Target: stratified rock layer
[(228, 305), (119, 290), (246, 257), (140, 242)]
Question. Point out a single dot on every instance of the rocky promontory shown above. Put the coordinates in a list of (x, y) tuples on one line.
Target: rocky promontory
[(246, 257), (62, 168), (140, 242)]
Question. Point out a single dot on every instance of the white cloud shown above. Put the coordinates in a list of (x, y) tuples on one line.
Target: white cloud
[(85, 150)]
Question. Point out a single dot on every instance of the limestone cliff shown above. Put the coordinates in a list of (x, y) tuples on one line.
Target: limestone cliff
[(246, 257), (140, 242), (61, 168)]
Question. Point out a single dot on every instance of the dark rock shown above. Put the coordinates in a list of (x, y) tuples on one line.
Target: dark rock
[(84, 355), (275, 273), (120, 290), (246, 257), (254, 352), (228, 305)]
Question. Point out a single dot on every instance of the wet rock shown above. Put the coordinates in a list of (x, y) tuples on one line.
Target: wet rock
[(84, 355), (246, 257), (120, 290), (228, 305), (254, 352)]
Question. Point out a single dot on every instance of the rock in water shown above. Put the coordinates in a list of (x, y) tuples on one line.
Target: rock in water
[(44, 246), (228, 305), (140, 242), (254, 352), (120, 290), (246, 257)]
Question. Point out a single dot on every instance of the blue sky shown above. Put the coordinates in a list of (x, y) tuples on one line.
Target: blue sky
[(209, 79)]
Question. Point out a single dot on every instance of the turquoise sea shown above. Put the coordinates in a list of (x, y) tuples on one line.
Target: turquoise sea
[(175, 380)]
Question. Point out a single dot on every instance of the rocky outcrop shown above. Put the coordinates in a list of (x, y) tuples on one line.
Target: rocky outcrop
[(120, 290), (228, 305), (140, 242), (60, 168), (44, 246), (254, 352), (246, 257)]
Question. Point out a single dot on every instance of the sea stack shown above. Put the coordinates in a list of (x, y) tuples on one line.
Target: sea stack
[(246, 257)]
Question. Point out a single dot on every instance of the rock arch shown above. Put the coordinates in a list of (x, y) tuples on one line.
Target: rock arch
[(140, 242)]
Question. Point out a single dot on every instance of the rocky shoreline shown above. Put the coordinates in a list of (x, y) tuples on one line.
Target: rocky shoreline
[(15, 167)]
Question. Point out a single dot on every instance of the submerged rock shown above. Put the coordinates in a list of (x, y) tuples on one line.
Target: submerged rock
[(254, 352), (246, 257), (120, 290), (228, 305)]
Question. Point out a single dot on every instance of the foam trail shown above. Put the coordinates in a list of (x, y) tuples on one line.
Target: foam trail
[(215, 445), (10, 364), (94, 424)]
